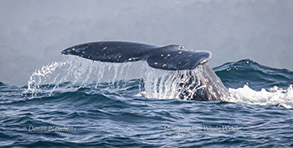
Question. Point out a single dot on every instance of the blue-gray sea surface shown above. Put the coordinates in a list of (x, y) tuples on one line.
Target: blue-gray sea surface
[(259, 114)]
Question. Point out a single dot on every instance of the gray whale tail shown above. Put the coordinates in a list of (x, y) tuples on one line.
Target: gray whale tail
[(171, 57)]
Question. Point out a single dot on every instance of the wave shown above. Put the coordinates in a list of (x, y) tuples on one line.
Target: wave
[(248, 72), (253, 83)]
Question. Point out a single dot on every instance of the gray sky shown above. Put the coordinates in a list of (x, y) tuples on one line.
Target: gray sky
[(33, 32)]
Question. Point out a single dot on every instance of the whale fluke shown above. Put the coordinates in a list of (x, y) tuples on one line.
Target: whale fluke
[(206, 87), (171, 57)]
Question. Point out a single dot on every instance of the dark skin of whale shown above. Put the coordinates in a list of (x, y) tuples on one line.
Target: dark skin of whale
[(171, 57)]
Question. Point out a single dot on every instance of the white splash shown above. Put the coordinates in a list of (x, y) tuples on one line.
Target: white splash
[(160, 84), (38, 76), (157, 83), (274, 96), (78, 72), (164, 84)]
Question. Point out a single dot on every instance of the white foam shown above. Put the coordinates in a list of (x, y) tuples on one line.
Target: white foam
[(274, 96)]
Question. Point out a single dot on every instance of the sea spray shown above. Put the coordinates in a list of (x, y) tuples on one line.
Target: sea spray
[(79, 73)]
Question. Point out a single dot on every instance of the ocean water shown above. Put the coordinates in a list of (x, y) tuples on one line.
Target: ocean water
[(77, 102)]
